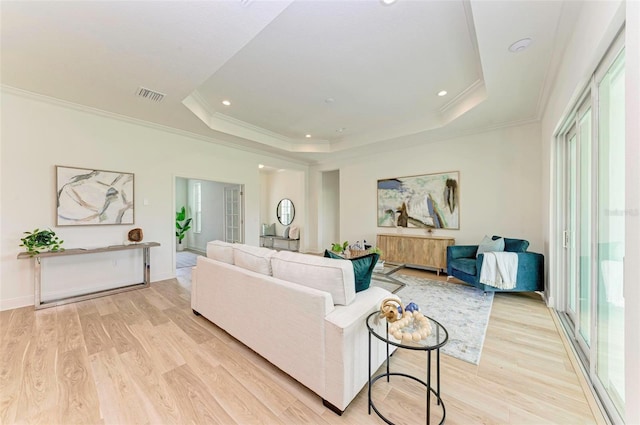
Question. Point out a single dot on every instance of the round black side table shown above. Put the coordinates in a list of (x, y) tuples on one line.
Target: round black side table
[(438, 338)]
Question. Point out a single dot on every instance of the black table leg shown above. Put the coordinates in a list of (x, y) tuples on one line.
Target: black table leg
[(438, 373), (369, 373), (428, 387)]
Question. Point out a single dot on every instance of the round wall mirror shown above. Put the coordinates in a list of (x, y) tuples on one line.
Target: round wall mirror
[(285, 212)]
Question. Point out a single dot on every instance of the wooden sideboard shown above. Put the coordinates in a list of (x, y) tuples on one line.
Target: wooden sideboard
[(416, 250)]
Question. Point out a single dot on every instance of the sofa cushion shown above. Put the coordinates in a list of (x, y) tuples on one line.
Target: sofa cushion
[(362, 268), (465, 265), (325, 274), (220, 251), (514, 245), (490, 245), (253, 258)]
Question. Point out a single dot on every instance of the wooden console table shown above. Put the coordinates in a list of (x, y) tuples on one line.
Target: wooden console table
[(79, 251), (416, 250)]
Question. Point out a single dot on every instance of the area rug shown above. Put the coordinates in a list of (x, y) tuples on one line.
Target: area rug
[(463, 311), (185, 259)]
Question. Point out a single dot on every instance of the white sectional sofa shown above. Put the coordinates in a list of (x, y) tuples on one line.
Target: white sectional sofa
[(299, 311)]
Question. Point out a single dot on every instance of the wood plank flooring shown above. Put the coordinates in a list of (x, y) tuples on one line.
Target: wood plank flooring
[(142, 357)]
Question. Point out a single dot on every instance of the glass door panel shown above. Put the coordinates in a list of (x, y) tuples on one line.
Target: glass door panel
[(611, 233), (233, 214), (570, 231), (585, 260)]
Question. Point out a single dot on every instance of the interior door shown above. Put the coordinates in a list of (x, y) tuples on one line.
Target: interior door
[(233, 216)]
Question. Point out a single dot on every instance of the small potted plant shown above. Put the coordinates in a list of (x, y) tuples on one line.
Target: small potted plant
[(183, 224), (39, 240), (338, 247)]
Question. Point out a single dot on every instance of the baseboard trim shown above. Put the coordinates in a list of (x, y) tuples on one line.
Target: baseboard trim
[(18, 302)]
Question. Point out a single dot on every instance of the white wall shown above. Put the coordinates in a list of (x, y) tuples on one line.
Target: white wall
[(285, 184), (330, 215), (499, 185), (212, 214), (38, 134)]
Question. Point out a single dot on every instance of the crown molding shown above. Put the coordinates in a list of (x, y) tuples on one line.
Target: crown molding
[(136, 121)]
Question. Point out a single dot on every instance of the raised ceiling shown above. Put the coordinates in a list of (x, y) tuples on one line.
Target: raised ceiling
[(351, 74)]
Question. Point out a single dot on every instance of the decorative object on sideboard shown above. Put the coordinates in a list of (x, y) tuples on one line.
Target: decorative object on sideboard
[(424, 201), (135, 235), (87, 196), (39, 240), (183, 224)]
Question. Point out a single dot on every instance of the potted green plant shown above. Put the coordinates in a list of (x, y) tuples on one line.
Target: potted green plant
[(39, 240), (338, 247), (183, 224)]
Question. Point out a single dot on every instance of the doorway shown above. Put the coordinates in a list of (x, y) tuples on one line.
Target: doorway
[(216, 210)]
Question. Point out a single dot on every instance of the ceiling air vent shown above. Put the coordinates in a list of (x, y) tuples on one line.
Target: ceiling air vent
[(150, 94)]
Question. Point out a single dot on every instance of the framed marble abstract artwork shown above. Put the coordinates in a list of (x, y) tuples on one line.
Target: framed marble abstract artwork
[(428, 201), (93, 197)]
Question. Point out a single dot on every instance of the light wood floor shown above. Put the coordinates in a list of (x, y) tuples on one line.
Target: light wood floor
[(143, 357)]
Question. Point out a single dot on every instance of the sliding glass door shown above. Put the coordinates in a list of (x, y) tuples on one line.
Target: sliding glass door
[(578, 227), (592, 188)]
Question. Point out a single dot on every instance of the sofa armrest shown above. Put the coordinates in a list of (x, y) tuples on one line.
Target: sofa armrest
[(461, 251), (530, 271), (346, 347)]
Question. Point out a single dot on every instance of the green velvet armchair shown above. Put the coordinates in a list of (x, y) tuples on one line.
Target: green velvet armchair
[(463, 264)]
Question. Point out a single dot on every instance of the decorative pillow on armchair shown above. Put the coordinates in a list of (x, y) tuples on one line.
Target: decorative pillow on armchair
[(514, 245), (362, 268), (490, 245)]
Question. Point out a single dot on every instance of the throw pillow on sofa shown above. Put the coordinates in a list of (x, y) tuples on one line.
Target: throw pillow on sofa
[(220, 251), (490, 245), (325, 274), (253, 258), (362, 268)]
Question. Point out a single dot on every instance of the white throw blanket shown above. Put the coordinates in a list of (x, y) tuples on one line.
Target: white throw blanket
[(499, 269)]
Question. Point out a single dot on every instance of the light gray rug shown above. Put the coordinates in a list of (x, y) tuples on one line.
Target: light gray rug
[(463, 311), (185, 259)]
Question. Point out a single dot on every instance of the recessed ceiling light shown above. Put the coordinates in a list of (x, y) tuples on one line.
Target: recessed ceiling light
[(260, 166), (226, 103), (520, 45), (308, 136), (442, 93), (388, 2), (341, 129)]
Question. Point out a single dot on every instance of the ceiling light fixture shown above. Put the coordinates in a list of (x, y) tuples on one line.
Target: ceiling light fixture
[(442, 93), (520, 45), (388, 2), (226, 103), (341, 129), (308, 136), (260, 166)]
